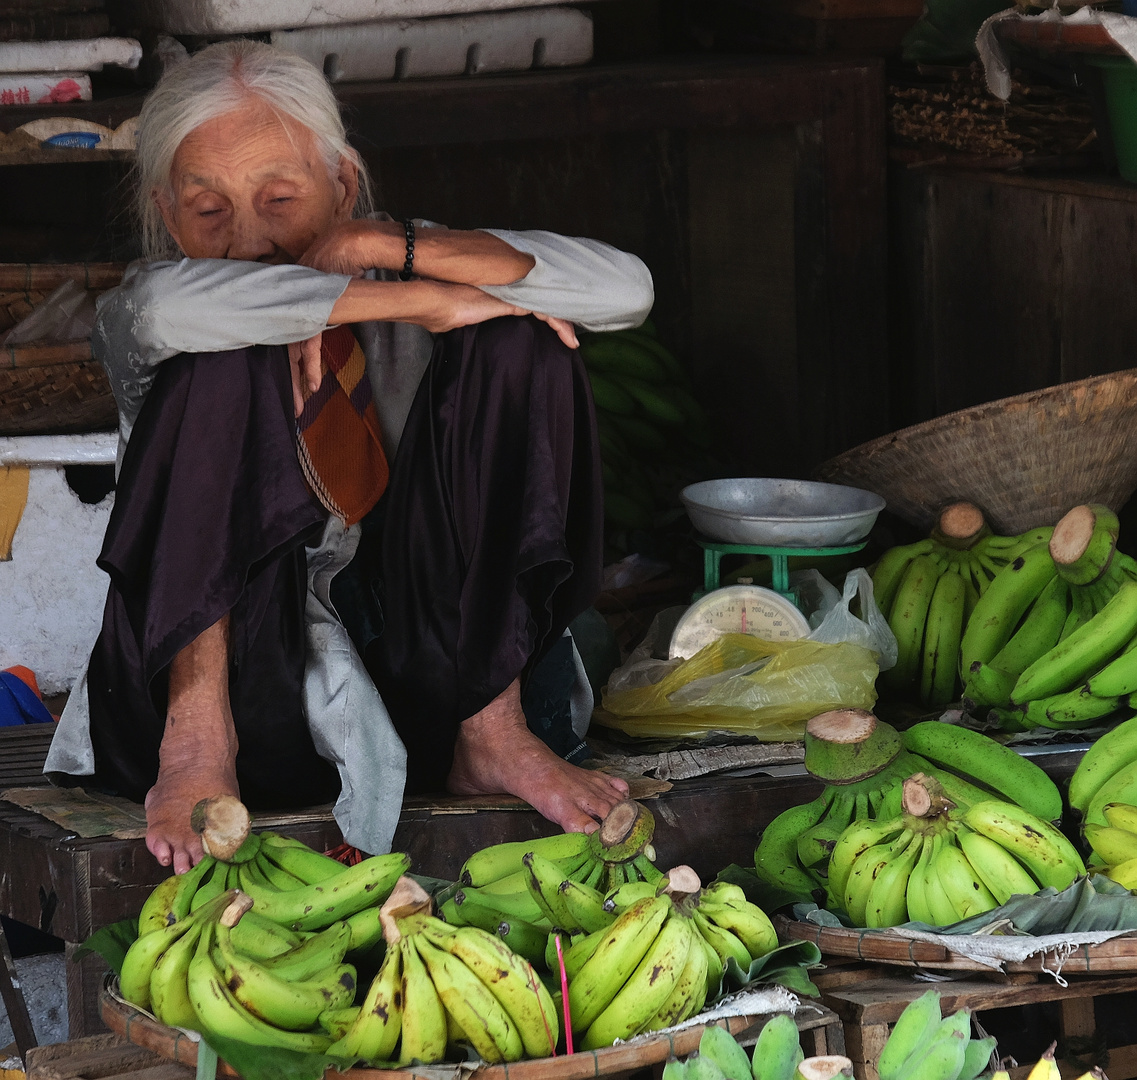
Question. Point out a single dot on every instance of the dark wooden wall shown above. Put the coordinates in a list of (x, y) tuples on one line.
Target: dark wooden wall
[(754, 189), (1004, 283)]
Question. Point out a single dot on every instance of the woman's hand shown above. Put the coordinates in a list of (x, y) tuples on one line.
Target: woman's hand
[(306, 368), (466, 305), (352, 247)]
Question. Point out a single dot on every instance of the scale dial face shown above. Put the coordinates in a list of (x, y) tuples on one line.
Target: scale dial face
[(736, 609)]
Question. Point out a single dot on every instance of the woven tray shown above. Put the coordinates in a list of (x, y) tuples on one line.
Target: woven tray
[(880, 947), (58, 388), (1023, 460), (140, 1029)]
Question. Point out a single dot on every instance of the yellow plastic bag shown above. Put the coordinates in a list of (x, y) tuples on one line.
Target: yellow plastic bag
[(742, 684)]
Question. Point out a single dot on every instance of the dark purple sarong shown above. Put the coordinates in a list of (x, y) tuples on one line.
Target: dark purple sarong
[(486, 544)]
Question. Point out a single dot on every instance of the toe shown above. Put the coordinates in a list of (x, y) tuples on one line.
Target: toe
[(159, 848), (182, 860)]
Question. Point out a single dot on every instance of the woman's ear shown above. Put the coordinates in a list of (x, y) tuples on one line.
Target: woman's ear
[(165, 208), (347, 184)]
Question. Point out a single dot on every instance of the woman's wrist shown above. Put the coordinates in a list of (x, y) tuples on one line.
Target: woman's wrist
[(415, 301)]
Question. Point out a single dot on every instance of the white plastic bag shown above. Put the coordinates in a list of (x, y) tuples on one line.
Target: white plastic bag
[(832, 619)]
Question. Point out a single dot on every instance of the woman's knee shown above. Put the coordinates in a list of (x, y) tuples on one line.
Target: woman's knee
[(513, 349)]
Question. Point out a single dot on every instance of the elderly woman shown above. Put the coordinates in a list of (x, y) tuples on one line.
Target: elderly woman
[(358, 479)]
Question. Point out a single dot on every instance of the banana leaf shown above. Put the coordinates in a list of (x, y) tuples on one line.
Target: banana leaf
[(785, 966), (111, 943), (1089, 904), (270, 1062)]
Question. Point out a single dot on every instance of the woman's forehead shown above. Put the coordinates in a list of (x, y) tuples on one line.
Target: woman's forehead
[(252, 139)]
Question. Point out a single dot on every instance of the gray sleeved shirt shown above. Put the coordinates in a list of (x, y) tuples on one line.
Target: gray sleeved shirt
[(211, 305)]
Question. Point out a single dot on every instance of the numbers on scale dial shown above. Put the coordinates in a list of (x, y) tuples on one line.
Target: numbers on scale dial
[(737, 609)]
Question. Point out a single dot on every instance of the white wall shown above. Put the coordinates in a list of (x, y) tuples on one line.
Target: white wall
[(51, 591)]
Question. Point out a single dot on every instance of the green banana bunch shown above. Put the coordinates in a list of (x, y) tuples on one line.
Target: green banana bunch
[(924, 1046), (938, 863), (1107, 773), (1115, 844), (618, 955), (316, 906), (777, 1056), (567, 904), (1047, 645), (143, 955), (619, 851), (777, 1051), (281, 997), (218, 1010), (927, 591), (654, 434), (440, 984), (865, 763), (727, 915)]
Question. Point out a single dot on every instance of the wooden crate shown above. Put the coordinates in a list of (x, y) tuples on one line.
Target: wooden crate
[(101, 1057), (869, 1000), (23, 750)]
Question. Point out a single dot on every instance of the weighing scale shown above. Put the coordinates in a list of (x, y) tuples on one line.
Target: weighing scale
[(745, 608), (773, 517)]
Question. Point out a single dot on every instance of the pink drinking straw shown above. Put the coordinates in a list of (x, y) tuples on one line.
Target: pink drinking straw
[(564, 997)]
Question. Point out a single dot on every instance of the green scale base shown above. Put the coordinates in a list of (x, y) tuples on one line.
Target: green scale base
[(713, 551)]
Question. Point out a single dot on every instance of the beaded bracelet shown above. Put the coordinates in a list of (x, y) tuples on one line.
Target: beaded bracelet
[(405, 273)]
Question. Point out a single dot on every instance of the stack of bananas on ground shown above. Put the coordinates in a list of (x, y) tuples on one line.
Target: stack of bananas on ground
[(938, 863), (441, 986), (864, 763), (927, 592), (498, 889), (653, 433), (1106, 774), (777, 1055), (924, 1045), (1049, 644)]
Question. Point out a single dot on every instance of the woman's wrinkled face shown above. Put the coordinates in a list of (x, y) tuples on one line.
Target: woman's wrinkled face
[(251, 185)]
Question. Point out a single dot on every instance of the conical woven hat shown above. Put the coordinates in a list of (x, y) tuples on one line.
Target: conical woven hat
[(1023, 460)]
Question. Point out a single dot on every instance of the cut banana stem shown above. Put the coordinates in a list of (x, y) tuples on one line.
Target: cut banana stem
[(682, 882), (1083, 543), (959, 525), (625, 831), (824, 1068), (924, 797), (847, 745), (223, 823)]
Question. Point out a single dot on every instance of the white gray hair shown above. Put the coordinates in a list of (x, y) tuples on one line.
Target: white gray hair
[(215, 81)]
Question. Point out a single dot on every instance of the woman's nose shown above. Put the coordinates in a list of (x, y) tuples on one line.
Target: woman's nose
[(249, 239)]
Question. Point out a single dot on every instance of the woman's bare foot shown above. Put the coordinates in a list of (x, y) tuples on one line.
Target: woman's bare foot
[(496, 754), (198, 754), (184, 779)]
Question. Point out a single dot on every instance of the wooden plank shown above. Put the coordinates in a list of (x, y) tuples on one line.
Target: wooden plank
[(1077, 1017), (89, 1057), (883, 1001), (84, 985), (743, 277), (13, 996)]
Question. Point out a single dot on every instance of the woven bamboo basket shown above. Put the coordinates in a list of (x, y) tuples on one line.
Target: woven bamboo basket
[(1023, 460), (143, 1030), (57, 388)]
